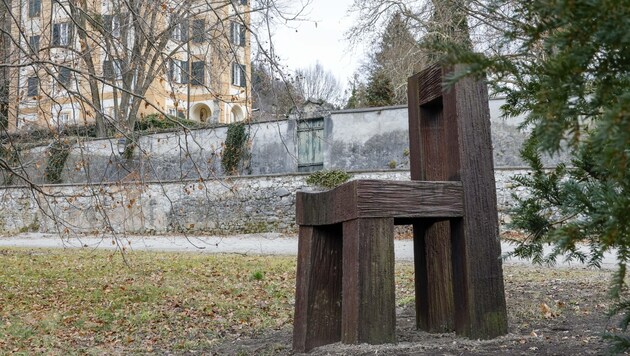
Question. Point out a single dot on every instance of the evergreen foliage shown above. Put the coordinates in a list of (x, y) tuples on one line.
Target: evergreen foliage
[(396, 57), (568, 71), (379, 91), (163, 122), (357, 97)]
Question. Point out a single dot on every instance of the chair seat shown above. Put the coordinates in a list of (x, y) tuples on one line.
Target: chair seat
[(381, 199)]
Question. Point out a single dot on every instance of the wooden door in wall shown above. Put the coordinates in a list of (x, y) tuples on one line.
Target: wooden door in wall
[(310, 144)]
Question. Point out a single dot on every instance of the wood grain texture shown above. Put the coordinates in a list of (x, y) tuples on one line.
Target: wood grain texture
[(476, 236), (376, 198), (441, 301), (434, 157), (430, 87), (317, 319), (415, 139), (369, 305)]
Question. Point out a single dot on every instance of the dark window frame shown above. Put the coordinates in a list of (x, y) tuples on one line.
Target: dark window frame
[(33, 42), (198, 73), (34, 8), (109, 69), (32, 87), (65, 75), (57, 34), (198, 31)]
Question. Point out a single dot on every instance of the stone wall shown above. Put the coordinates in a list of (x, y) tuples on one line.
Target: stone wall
[(362, 139), (220, 206)]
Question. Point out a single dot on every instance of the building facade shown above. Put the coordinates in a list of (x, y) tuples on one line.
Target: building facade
[(114, 62)]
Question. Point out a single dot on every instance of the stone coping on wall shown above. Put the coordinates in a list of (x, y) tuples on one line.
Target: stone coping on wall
[(275, 175)]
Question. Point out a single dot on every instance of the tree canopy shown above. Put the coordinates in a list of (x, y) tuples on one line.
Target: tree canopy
[(568, 71)]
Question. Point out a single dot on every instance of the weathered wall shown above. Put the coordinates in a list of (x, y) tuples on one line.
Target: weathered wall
[(362, 139), (273, 147), (367, 139), (243, 204)]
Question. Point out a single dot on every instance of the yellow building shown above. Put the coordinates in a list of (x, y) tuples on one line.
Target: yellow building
[(79, 62)]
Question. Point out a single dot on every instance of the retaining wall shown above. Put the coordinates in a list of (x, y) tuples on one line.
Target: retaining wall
[(246, 204)]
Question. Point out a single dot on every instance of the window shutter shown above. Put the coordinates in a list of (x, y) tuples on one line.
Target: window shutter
[(185, 72), (107, 23), (199, 31), (242, 70), (242, 36), (70, 34), (34, 43), (108, 70), (55, 35), (33, 84), (198, 73), (64, 75), (184, 30), (232, 30)]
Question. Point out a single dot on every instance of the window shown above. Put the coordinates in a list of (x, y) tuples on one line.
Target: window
[(237, 34), (238, 74), (113, 24), (199, 31), (33, 42), (34, 8), (113, 69), (62, 118), (62, 34), (178, 71), (198, 73), (180, 31), (64, 75), (33, 87)]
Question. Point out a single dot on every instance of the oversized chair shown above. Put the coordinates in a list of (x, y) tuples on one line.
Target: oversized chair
[(345, 273)]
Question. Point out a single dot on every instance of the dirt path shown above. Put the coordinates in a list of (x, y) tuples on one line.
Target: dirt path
[(259, 244)]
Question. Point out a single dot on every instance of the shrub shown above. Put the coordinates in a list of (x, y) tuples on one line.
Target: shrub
[(328, 178)]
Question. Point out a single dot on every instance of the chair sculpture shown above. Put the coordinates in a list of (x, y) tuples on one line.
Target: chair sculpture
[(345, 273)]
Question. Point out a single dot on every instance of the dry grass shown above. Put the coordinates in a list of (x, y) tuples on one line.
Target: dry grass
[(69, 301), (79, 301)]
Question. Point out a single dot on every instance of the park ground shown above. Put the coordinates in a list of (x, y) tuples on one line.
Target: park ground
[(99, 301)]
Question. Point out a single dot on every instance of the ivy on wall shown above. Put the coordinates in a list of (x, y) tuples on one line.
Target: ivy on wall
[(57, 156), (10, 155), (235, 148)]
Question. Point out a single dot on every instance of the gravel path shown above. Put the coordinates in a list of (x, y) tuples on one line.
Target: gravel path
[(260, 244)]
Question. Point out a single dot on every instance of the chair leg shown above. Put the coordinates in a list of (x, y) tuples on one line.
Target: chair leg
[(318, 287), (369, 306), (434, 278), (480, 311)]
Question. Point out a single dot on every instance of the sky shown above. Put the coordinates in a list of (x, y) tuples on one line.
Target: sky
[(320, 38)]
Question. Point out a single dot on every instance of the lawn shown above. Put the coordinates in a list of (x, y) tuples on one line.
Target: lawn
[(96, 302), (60, 301)]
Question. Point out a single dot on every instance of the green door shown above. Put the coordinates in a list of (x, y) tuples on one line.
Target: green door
[(310, 140)]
